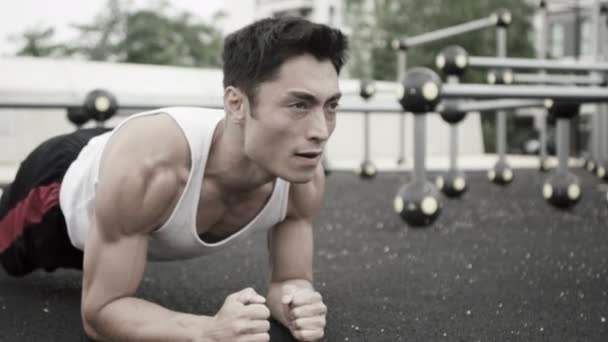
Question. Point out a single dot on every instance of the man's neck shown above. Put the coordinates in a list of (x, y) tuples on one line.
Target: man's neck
[(229, 168)]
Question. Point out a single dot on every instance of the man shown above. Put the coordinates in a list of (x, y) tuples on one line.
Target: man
[(179, 183)]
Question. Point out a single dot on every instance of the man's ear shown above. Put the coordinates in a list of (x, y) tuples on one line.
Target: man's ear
[(236, 104)]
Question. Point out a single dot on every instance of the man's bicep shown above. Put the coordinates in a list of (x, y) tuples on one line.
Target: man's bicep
[(291, 250)]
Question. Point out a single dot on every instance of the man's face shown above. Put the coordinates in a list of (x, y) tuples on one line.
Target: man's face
[(294, 115)]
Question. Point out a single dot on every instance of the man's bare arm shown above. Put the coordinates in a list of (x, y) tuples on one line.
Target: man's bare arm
[(134, 194), (291, 258)]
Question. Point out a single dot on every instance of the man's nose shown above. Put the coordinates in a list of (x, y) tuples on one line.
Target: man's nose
[(319, 129)]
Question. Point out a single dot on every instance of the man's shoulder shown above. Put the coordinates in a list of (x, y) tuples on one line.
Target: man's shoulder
[(141, 174), (148, 145), (151, 134)]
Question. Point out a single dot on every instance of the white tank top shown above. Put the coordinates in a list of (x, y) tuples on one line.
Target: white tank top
[(177, 238)]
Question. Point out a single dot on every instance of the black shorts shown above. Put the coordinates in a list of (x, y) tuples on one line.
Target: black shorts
[(33, 232)]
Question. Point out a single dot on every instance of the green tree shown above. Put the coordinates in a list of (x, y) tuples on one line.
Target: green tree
[(361, 38), (149, 36), (36, 42), (152, 38), (101, 39)]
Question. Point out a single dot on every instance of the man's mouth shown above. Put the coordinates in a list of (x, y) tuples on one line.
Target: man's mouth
[(309, 155)]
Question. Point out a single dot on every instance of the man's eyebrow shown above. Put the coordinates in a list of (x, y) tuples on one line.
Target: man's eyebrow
[(335, 97), (302, 95), (311, 98)]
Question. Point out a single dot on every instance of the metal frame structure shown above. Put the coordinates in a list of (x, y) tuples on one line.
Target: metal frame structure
[(403, 43)]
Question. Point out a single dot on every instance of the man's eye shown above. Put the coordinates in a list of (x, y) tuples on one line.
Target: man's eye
[(300, 105), (332, 107)]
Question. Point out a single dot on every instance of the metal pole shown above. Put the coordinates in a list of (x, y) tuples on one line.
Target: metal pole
[(501, 119), (596, 119), (543, 137), (494, 105), (447, 32), (366, 136), (481, 91), (541, 77), (453, 147), (603, 54), (419, 148), (501, 136), (535, 64), (602, 149), (563, 144), (542, 54), (577, 31), (401, 66), (453, 134)]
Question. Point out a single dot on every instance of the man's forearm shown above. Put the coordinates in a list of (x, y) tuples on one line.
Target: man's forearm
[(133, 319), (273, 299)]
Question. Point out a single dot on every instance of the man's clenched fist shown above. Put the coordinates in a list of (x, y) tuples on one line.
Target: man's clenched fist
[(305, 311), (243, 318)]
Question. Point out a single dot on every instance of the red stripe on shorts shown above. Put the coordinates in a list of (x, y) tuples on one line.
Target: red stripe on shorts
[(29, 211)]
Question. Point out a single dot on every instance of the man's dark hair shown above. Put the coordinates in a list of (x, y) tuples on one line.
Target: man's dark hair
[(255, 53)]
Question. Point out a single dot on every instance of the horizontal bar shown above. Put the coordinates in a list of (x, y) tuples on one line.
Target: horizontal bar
[(591, 79), (477, 91), (429, 37), (376, 108), (484, 91), (493, 105), (538, 64), (132, 103)]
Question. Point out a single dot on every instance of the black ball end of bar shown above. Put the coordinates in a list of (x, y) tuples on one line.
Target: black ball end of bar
[(420, 91), (100, 105)]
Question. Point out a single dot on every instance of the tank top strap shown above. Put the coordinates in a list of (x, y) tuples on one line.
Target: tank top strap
[(199, 134)]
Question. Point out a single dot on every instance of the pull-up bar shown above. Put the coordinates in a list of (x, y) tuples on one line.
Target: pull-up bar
[(500, 18)]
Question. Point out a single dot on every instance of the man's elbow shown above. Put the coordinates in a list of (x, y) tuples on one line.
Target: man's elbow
[(89, 318)]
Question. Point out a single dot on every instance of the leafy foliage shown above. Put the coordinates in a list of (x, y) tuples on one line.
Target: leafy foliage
[(147, 36)]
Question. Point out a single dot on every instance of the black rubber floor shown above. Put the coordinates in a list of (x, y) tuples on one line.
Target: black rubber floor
[(498, 265)]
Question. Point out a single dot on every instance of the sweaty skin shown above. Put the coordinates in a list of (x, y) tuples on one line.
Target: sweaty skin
[(137, 191)]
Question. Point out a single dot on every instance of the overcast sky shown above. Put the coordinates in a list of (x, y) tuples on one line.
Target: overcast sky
[(19, 15)]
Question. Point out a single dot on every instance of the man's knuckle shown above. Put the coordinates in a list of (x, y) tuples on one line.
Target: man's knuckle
[(266, 326), (321, 333), (239, 328)]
